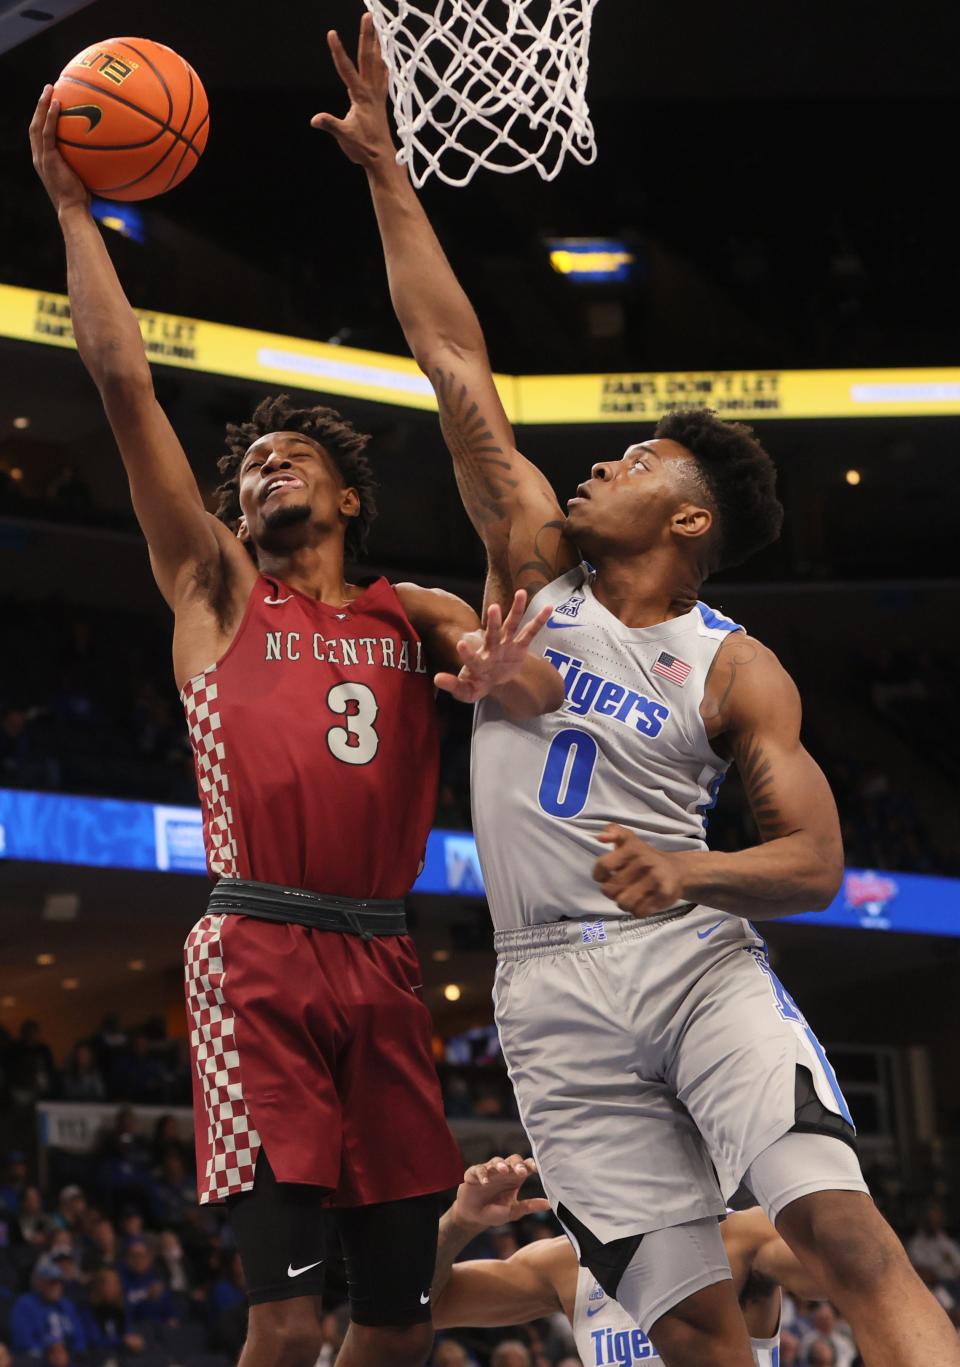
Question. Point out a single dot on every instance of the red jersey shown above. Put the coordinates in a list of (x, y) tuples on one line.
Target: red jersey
[(316, 746)]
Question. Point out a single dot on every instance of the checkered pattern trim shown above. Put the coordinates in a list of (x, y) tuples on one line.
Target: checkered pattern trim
[(232, 1142), (206, 736)]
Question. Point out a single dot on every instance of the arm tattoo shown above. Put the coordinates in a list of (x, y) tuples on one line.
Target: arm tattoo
[(535, 574), (712, 709), (483, 469), (757, 775)]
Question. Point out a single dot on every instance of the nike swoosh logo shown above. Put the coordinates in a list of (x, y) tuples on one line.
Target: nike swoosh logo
[(275, 602), (425, 1300), (702, 934), (92, 112), (556, 626), (595, 1311), (298, 1271)]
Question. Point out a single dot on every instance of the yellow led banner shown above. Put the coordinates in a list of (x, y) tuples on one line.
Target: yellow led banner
[(214, 348), (531, 400), (750, 394)]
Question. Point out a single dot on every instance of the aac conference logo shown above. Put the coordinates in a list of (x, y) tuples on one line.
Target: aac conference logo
[(870, 893)]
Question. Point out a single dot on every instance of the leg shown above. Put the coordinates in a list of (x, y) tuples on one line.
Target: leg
[(706, 1329), (675, 1284), (281, 1232), (866, 1272), (389, 1252), (283, 1334), (811, 1187)]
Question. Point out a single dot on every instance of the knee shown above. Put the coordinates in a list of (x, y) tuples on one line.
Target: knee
[(845, 1234), (288, 1332), (402, 1346)]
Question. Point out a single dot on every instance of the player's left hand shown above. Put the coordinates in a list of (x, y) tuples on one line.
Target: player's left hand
[(640, 879), (495, 654)]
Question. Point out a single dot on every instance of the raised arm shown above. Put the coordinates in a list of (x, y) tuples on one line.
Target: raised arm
[(509, 501), (751, 710), (180, 533)]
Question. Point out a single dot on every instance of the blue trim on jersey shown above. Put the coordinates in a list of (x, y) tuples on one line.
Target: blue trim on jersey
[(716, 620)]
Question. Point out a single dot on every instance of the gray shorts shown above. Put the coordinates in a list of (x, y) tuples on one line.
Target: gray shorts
[(653, 1061)]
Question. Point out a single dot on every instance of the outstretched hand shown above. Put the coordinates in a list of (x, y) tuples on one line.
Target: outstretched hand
[(488, 1194), (60, 181), (495, 654), (364, 131)]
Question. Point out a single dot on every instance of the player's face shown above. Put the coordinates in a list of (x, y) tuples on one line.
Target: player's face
[(627, 505), (288, 486)]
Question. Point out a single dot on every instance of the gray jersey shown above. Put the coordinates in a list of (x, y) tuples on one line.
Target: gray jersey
[(606, 1336), (628, 746)]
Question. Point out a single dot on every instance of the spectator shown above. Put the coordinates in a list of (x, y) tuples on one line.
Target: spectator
[(70, 1209), (148, 1299), (228, 1290), (172, 1264), (820, 1353), (166, 1139), (789, 1348), (102, 1252), (31, 1069), (173, 1192), (105, 1317), (934, 1254), (510, 1353), (827, 1329), (82, 1079), (15, 1182), (6, 1357), (45, 1316), (450, 1353), (35, 1224)]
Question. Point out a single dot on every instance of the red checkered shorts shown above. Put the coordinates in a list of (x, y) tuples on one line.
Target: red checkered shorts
[(316, 1046)]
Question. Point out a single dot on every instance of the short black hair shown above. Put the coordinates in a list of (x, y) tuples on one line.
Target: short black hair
[(740, 478), (338, 437)]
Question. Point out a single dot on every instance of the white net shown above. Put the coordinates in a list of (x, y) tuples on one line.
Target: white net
[(495, 83)]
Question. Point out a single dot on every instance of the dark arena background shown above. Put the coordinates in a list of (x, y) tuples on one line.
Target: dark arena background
[(770, 228)]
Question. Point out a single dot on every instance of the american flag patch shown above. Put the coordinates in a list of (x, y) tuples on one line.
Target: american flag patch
[(593, 932), (671, 668)]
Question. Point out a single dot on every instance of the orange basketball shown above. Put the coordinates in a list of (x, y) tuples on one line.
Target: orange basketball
[(133, 117)]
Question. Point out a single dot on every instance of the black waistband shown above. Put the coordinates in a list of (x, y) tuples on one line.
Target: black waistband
[(271, 902)]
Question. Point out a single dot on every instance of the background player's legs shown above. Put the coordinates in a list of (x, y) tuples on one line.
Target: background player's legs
[(706, 1329), (389, 1251)]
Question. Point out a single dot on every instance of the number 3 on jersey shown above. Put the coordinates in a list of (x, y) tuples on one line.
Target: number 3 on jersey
[(565, 784), (356, 741)]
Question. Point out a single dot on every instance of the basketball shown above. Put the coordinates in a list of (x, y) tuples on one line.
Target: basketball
[(133, 117)]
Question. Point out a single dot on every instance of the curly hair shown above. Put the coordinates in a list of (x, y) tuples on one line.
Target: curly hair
[(740, 478), (339, 439)]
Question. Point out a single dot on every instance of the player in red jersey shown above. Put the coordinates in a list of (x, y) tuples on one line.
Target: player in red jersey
[(310, 709)]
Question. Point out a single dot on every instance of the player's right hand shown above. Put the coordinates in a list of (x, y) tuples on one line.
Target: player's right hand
[(60, 181), (364, 132), (487, 1196)]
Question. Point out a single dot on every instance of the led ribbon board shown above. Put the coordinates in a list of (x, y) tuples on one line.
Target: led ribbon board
[(530, 400)]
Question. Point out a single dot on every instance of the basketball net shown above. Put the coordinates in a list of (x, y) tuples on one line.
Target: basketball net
[(494, 83)]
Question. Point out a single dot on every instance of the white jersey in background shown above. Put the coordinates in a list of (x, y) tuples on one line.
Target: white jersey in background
[(606, 1336), (628, 746)]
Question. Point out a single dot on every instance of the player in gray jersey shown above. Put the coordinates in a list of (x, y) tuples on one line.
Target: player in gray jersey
[(656, 1058), (543, 1278)]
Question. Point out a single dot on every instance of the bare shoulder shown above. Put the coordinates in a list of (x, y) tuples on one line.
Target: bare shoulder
[(430, 608), (745, 679), (554, 1262)]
